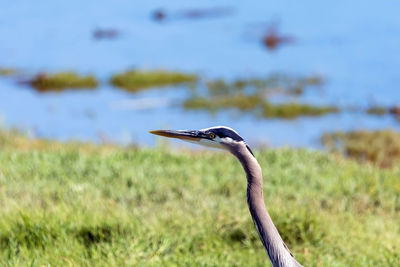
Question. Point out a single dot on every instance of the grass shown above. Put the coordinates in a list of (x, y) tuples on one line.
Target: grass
[(61, 81), (86, 205), (134, 80), (380, 147)]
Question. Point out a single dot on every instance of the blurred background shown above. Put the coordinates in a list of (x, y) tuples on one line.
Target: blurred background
[(280, 73)]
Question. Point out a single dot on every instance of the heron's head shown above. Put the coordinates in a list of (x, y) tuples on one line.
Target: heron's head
[(218, 137)]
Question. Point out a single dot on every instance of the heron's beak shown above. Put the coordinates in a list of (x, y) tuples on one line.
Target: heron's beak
[(180, 134)]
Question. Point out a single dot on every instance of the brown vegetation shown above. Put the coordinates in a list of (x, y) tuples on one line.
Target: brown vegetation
[(378, 147)]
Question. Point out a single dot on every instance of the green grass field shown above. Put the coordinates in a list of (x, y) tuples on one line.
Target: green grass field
[(82, 205)]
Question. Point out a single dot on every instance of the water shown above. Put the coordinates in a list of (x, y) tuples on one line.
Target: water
[(353, 45)]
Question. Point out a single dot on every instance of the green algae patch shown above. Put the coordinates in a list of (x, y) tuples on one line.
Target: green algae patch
[(377, 110), (257, 105), (274, 83), (294, 110), (63, 80), (252, 95), (7, 71), (377, 147), (134, 80), (241, 102)]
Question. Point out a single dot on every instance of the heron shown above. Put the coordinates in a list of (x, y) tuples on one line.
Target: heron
[(228, 139)]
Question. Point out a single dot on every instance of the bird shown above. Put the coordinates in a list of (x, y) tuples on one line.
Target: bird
[(228, 139)]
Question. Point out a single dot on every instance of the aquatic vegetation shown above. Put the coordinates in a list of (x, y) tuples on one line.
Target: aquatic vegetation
[(381, 111), (135, 80), (241, 102), (111, 33), (161, 15), (7, 71), (377, 110), (378, 147), (63, 80), (275, 83), (257, 105), (221, 87), (251, 96), (293, 110)]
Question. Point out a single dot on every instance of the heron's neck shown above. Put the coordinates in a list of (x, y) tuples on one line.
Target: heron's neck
[(276, 249)]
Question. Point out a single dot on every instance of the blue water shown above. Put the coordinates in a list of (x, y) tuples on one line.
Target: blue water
[(354, 45)]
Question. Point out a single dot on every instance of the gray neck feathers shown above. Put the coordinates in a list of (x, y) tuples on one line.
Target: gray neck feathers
[(278, 253)]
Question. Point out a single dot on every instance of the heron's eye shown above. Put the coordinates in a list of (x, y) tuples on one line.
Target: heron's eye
[(212, 135)]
